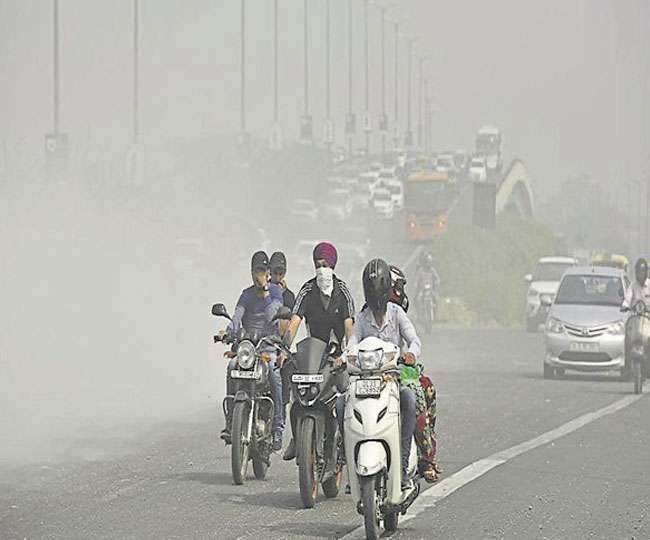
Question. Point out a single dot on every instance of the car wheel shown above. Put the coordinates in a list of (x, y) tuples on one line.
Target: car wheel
[(549, 372)]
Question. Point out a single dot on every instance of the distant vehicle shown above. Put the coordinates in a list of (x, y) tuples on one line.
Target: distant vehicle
[(585, 329), (611, 260), (543, 288), (478, 169), (338, 205), (368, 182), (427, 196), (383, 203), (388, 172), (445, 163), (488, 144), (396, 189), (376, 166), (305, 209), (461, 159)]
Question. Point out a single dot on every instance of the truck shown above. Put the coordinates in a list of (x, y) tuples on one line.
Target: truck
[(488, 145)]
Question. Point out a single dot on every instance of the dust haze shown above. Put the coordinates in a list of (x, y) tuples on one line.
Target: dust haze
[(106, 287)]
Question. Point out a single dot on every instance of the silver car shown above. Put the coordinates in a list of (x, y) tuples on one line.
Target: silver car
[(585, 329)]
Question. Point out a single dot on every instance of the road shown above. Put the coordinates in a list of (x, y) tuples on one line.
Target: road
[(172, 479)]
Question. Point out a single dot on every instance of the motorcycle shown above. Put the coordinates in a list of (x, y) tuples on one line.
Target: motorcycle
[(637, 344), (373, 440), (428, 307), (318, 442), (250, 402)]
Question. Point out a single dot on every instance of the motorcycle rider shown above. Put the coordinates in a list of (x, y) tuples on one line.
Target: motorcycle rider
[(640, 288), (278, 264), (326, 305), (256, 307), (388, 321)]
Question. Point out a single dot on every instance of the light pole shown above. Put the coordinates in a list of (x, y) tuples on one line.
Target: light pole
[(56, 67), (306, 133), (408, 139), (366, 119), (136, 70), (421, 61), (276, 133), (383, 124), (396, 88), (329, 130), (350, 122), (242, 81)]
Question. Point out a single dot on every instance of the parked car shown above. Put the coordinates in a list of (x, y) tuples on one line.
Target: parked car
[(544, 283), (478, 169), (383, 203), (585, 329), (304, 209)]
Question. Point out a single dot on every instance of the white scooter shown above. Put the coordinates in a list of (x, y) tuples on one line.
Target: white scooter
[(372, 437)]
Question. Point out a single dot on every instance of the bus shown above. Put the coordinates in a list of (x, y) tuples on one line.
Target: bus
[(427, 196), (488, 145)]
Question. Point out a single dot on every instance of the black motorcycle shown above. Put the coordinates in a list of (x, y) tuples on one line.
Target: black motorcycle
[(637, 346), (319, 452), (250, 402)]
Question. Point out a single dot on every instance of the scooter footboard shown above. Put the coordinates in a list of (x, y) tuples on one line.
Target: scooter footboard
[(371, 458)]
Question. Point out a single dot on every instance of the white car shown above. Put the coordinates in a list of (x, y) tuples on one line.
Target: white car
[(383, 203), (543, 288), (445, 163), (478, 169), (396, 189), (368, 182), (304, 209)]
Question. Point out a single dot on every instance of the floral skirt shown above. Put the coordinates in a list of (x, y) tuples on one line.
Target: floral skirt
[(425, 430)]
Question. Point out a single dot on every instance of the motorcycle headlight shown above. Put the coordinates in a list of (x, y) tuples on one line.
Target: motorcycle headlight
[(617, 328), (554, 326), (370, 360), (245, 355)]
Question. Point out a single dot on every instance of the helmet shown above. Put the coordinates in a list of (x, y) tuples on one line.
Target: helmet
[(377, 284), (259, 261), (641, 271), (397, 293), (278, 261), (426, 259)]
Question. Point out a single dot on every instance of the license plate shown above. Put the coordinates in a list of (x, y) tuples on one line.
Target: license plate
[(582, 346), (368, 387), (237, 374), (307, 378)]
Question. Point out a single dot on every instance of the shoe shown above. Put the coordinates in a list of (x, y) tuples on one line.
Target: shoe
[(290, 452), (225, 436), (407, 482), (277, 442)]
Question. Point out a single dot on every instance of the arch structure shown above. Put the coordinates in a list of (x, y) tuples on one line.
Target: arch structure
[(515, 191)]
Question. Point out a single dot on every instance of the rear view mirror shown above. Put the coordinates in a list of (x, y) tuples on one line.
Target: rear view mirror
[(283, 314), (334, 350), (219, 310), (528, 278)]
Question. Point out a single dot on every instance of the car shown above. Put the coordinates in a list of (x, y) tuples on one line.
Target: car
[(585, 329), (461, 159), (376, 166), (383, 203), (304, 209), (396, 189), (388, 172), (368, 182), (478, 169), (445, 163), (543, 285), (338, 205)]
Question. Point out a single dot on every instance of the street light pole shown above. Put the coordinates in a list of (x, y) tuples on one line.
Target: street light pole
[(328, 121), (242, 87), (136, 72), (349, 119), (275, 63), (366, 126), (56, 67), (420, 97), (396, 92), (383, 81), (409, 132)]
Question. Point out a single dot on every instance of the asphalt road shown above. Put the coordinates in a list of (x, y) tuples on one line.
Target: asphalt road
[(172, 480)]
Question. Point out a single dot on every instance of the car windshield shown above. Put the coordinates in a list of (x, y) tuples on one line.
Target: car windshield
[(591, 290), (550, 271)]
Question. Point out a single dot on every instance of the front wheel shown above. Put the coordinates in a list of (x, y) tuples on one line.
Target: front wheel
[(428, 316), (240, 447), (638, 377), (370, 506), (307, 463)]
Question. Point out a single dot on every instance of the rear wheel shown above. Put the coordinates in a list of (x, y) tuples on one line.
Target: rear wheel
[(240, 448), (549, 372), (307, 463), (370, 506)]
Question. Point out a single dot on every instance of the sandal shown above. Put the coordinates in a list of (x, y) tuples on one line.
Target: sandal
[(430, 474)]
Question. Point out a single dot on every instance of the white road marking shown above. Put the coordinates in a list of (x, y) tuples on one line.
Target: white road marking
[(475, 470)]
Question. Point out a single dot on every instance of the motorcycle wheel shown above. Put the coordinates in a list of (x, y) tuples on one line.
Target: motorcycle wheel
[(240, 449), (332, 485), (428, 321), (638, 377), (391, 521), (370, 507), (307, 464)]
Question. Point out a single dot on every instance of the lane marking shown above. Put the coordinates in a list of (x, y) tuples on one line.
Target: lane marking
[(428, 499)]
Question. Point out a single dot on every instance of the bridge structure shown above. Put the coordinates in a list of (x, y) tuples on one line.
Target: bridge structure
[(514, 191)]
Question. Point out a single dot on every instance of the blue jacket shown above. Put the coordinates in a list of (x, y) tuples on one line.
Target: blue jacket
[(254, 313)]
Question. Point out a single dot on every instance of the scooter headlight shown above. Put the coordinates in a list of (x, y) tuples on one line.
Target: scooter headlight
[(245, 355), (370, 360)]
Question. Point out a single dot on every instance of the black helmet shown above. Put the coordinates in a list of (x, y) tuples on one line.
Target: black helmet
[(259, 261), (278, 262), (377, 284), (641, 271)]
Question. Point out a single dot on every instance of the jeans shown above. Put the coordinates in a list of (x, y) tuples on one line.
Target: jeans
[(407, 402), (275, 381)]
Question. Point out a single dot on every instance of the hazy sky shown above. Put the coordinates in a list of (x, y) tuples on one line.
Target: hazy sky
[(565, 80)]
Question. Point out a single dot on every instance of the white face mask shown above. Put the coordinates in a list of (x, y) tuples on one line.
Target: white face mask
[(325, 280)]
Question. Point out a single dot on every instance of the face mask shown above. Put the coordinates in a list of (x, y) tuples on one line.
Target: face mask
[(325, 280)]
